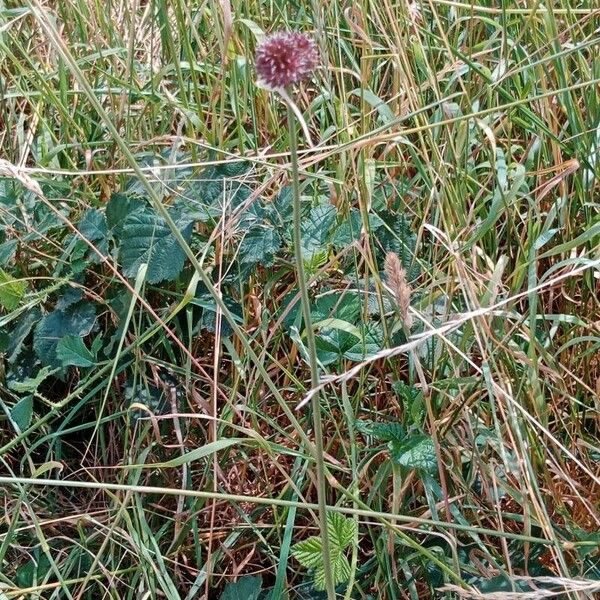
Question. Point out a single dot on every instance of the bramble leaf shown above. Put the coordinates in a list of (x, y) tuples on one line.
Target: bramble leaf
[(340, 572), (309, 552), (119, 207), (94, 228), (415, 452), (315, 230), (341, 530), (259, 246), (71, 351), (146, 238), (11, 290), (22, 412), (30, 384), (77, 320), (246, 588)]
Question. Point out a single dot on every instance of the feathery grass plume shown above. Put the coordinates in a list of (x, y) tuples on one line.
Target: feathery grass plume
[(396, 279), (285, 58)]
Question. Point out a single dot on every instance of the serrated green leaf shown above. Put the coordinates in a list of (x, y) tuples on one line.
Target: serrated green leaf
[(71, 351), (94, 228), (22, 329), (118, 208), (7, 251), (341, 530), (259, 246), (370, 343), (340, 572), (93, 225), (246, 588), (216, 188), (340, 324), (315, 230), (309, 552), (31, 384), (77, 320), (70, 297), (11, 290), (22, 411), (282, 205), (396, 236), (415, 452), (388, 432), (348, 230), (146, 238)]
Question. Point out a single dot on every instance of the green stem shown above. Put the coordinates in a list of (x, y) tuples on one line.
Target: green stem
[(312, 354)]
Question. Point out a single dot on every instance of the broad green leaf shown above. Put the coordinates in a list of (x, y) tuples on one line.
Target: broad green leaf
[(389, 432), (22, 411), (339, 324), (315, 230), (11, 290), (346, 306), (71, 351), (216, 189), (415, 452), (22, 329), (93, 225), (246, 588), (369, 343), (119, 207), (145, 393), (341, 530), (412, 400), (282, 206), (146, 238), (7, 251), (31, 384), (259, 246), (348, 230), (329, 346), (395, 235), (94, 228), (33, 571), (77, 320), (340, 572), (309, 552)]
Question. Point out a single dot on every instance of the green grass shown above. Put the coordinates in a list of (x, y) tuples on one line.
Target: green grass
[(157, 438)]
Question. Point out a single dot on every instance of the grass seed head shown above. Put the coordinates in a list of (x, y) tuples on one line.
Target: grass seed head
[(396, 279)]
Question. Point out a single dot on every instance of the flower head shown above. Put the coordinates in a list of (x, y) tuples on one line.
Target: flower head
[(285, 58)]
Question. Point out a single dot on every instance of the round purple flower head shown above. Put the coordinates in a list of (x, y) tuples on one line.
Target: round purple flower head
[(285, 58)]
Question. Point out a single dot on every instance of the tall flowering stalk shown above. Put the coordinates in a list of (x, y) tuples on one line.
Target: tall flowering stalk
[(282, 60)]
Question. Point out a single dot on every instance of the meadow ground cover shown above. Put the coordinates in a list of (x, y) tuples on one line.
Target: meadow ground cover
[(309, 316)]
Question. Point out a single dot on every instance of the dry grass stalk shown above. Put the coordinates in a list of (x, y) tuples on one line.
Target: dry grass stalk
[(396, 280)]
